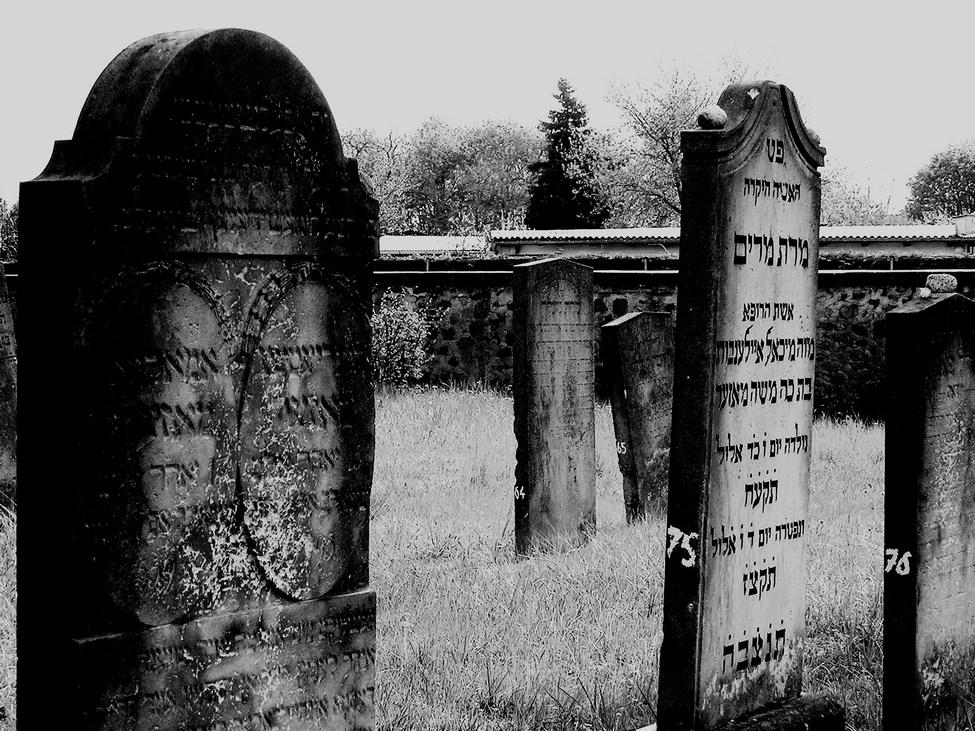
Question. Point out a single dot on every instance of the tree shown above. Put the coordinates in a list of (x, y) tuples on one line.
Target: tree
[(564, 192), (945, 187), (8, 231), (443, 179), (844, 203), (383, 160), (644, 176)]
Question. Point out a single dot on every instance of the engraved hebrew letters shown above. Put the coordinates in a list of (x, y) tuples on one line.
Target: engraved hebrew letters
[(292, 456), (165, 409)]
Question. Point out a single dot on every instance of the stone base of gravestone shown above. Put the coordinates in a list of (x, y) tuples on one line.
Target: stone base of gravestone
[(298, 666), (808, 713)]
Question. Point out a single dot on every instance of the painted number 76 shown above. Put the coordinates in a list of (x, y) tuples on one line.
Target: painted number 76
[(901, 565)]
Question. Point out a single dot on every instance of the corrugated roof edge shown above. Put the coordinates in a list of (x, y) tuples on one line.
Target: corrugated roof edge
[(880, 233)]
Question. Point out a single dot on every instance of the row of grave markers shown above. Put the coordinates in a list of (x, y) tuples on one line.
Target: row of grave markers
[(211, 252), (741, 381)]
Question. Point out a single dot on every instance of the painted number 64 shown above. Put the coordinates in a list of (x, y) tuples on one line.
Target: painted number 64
[(902, 565)]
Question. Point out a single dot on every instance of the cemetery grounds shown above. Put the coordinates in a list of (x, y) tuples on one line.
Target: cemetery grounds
[(472, 637)]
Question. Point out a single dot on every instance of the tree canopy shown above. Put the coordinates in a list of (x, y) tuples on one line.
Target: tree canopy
[(8, 231), (448, 180), (564, 192), (945, 187)]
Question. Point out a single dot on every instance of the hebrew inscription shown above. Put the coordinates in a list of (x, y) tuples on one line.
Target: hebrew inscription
[(300, 508), (764, 371), (554, 405), (164, 435), (743, 406)]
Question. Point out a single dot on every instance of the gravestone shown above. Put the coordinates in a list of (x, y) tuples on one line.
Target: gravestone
[(639, 351), (8, 400), (735, 576), (203, 246), (929, 514), (554, 402)]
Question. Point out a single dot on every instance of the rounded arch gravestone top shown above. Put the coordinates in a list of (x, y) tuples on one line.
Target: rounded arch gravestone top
[(222, 327)]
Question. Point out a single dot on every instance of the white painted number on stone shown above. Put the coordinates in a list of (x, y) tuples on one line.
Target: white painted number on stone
[(901, 566), (519, 492), (620, 447), (675, 537)]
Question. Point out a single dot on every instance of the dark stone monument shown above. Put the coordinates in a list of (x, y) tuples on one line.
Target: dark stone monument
[(929, 514), (554, 400), (735, 576), (8, 400), (203, 247), (638, 349)]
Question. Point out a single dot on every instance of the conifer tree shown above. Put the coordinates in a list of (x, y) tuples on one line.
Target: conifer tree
[(564, 193)]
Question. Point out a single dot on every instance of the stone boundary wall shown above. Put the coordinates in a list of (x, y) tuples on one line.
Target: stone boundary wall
[(471, 340), (471, 336)]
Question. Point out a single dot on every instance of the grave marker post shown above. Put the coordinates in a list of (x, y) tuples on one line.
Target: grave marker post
[(929, 512), (734, 599), (203, 247), (554, 402), (638, 349), (8, 400)]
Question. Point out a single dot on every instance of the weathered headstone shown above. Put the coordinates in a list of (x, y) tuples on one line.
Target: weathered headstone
[(929, 515), (554, 401), (638, 349), (735, 576), (202, 245), (8, 400)]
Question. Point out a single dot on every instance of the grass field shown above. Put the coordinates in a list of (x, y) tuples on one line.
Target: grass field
[(472, 638)]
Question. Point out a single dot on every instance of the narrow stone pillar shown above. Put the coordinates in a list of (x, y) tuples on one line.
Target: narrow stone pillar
[(554, 401), (735, 572), (638, 349), (929, 514)]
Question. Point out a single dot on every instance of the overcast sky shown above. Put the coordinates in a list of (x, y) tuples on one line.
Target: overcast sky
[(885, 85)]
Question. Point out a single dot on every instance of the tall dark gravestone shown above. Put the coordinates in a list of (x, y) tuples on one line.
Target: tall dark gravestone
[(929, 514), (8, 400), (735, 576), (638, 349), (202, 247), (554, 401)]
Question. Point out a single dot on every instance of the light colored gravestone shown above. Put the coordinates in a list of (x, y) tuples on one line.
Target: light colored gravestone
[(735, 576), (203, 245), (554, 401), (929, 515), (638, 350), (8, 400)]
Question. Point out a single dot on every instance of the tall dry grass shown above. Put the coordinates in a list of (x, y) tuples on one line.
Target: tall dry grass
[(470, 637), (8, 619)]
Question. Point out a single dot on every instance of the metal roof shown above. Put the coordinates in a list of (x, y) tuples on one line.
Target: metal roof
[(637, 236), (431, 244), (671, 233)]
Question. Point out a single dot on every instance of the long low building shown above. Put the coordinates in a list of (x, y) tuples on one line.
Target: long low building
[(661, 244)]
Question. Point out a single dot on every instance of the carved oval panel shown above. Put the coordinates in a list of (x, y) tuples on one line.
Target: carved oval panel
[(160, 516), (306, 438)]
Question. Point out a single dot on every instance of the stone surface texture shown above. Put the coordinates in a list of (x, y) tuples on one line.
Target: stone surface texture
[(554, 406), (213, 284), (929, 509), (735, 572), (638, 351)]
